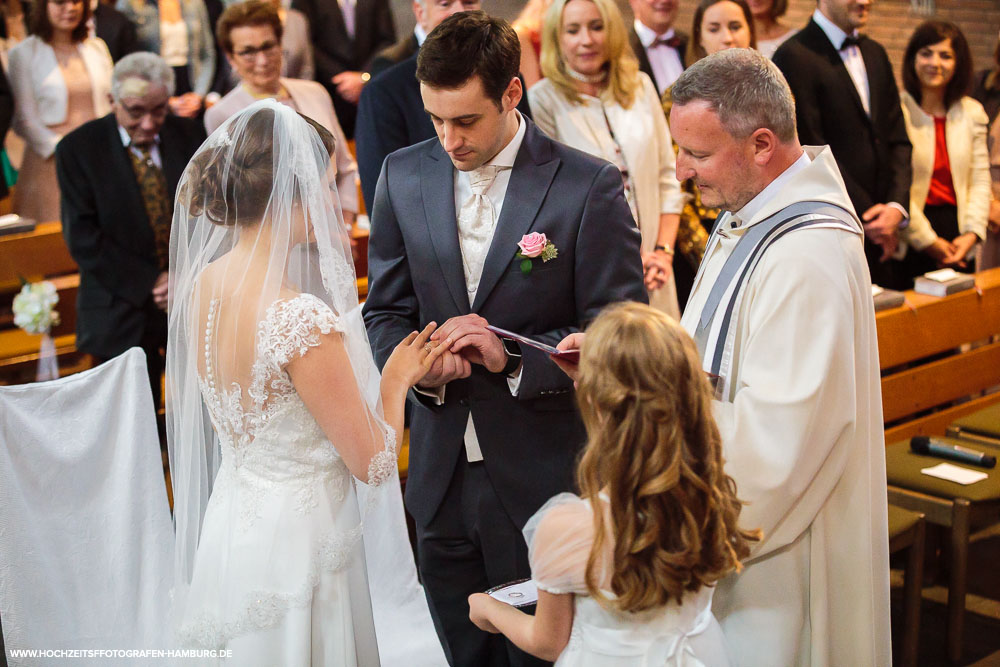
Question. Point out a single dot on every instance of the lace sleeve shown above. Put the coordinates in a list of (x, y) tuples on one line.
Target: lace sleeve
[(292, 326), (559, 538)]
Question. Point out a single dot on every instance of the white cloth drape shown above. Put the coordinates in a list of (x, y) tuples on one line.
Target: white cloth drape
[(87, 544)]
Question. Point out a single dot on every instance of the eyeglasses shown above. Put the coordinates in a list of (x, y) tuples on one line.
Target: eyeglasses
[(250, 53), (62, 3), (138, 113)]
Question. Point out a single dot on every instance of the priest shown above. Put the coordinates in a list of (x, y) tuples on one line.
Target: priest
[(782, 313)]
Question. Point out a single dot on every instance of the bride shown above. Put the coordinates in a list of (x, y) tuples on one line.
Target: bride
[(282, 435)]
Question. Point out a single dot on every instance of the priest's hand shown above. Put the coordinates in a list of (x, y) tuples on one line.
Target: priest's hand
[(473, 341), (574, 341)]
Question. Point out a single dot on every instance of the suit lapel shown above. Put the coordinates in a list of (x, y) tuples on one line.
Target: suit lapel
[(872, 70), (171, 159), (640, 54), (437, 190), (530, 179), (822, 45)]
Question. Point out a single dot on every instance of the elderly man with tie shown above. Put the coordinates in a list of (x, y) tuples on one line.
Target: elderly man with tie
[(659, 48)]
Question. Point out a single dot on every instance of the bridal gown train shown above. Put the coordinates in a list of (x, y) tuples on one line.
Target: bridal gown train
[(279, 576)]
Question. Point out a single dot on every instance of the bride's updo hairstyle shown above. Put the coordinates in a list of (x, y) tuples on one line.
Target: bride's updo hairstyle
[(655, 450), (235, 181)]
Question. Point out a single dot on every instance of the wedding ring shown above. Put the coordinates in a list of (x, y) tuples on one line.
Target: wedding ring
[(428, 347)]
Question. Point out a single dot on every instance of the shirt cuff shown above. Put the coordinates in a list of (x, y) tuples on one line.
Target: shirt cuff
[(514, 381), (905, 222), (436, 393)]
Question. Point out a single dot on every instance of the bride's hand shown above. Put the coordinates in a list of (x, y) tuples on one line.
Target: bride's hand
[(413, 357)]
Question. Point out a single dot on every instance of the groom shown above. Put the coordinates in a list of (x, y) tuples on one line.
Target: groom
[(494, 431)]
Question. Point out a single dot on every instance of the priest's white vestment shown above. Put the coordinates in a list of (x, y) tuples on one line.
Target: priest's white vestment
[(802, 435)]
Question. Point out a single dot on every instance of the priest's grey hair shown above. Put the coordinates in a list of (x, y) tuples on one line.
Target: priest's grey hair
[(142, 65), (745, 89)]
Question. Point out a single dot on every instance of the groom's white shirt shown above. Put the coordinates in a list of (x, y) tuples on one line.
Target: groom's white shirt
[(496, 193)]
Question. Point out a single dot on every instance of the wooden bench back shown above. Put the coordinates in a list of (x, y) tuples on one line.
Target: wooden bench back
[(937, 358)]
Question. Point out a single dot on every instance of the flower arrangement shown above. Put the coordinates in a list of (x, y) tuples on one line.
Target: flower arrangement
[(34, 307), (534, 245)]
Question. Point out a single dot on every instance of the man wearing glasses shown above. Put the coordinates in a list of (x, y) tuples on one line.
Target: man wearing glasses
[(250, 36), (118, 175)]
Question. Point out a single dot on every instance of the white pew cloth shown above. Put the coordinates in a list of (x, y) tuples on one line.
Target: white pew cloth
[(86, 542)]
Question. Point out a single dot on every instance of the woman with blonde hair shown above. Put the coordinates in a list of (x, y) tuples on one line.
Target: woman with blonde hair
[(594, 98), (625, 573)]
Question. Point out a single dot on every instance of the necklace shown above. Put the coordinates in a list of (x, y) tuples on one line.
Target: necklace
[(587, 78)]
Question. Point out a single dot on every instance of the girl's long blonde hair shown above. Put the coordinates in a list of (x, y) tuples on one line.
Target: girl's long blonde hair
[(623, 69), (654, 449)]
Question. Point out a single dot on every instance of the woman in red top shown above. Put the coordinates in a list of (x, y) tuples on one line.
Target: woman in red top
[(950, 194)]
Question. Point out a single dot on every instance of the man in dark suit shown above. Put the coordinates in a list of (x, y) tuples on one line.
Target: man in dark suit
[(661, 50), (428, 13), (846, 97), (116, 30), (346, 35), (391, 113), (118, 175), (494, 432)]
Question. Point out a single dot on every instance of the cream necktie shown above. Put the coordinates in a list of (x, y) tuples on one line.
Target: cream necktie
[(476, 222)]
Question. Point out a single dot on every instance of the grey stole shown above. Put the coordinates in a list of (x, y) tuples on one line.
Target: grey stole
[(738, 268)]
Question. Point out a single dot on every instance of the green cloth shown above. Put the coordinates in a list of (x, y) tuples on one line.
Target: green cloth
[(984, 422), (9, 173), (901, 520)]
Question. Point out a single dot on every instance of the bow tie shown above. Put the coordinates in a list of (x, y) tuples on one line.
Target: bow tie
[(849, 41), (673, 42)]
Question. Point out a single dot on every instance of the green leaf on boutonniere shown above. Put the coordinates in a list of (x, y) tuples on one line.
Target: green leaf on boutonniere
[(525, 266)]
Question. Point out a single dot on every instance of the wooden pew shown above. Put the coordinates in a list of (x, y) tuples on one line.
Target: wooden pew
[(34, 255), (938, 357)]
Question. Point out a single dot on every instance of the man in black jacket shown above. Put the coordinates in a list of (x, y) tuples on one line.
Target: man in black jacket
[(117, 176), (846, 97), (346, 35), (661, 50)]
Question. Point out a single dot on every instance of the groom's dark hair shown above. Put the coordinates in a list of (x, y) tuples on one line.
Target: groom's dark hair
[(470, 44)]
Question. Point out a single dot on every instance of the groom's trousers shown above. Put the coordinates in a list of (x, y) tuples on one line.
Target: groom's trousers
[(469, 546)]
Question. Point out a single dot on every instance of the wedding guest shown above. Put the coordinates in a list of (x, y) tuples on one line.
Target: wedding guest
[(989, 257), (986, 87), (770, 30), (115, 29), (61, 79), (118, 175), (846, 97), (346, 35), (629, 568), (950, 195), (424, 13), (718, 25), (250, 34), (593, 97), (296, 48), (661, 50), (180, 32), (528, 26)]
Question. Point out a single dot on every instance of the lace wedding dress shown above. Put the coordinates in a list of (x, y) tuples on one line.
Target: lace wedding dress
[(279, 576), (283, 554)]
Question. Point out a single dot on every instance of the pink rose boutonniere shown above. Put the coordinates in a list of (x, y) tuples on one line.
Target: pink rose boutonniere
[(535, 245)]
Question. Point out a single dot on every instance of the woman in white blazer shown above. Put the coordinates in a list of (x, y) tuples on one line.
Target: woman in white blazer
[(61, 78), (594, 98), (950, 192)]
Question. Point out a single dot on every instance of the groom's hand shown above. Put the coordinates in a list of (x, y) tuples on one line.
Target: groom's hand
[(445, 368), (474, 341)]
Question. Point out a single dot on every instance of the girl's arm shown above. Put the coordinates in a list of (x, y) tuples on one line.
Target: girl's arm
[(543, 635)]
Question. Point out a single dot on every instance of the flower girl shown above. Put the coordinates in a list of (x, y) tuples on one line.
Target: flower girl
[(625, 573)]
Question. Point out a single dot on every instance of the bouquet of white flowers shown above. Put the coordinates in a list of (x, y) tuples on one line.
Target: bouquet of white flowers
[(34, 307), (34, 312)]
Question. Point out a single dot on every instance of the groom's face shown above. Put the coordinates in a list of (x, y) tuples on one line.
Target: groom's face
[(470, 125)]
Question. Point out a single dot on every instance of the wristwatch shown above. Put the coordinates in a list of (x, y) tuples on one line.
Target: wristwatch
[(665, 247), (513, 351)]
